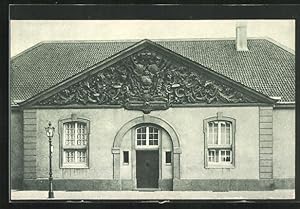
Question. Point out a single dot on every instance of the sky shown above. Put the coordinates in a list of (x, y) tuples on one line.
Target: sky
[(26, 33)]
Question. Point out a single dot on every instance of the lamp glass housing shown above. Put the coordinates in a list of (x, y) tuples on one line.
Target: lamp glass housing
[(50, 130)]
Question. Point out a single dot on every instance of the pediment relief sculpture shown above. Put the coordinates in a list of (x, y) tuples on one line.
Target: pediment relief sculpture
[(147, 81)]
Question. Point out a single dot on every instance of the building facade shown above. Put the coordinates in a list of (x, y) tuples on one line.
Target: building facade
[(154, 116)]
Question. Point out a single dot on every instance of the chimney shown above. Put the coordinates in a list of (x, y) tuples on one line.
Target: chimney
[(241, 37)]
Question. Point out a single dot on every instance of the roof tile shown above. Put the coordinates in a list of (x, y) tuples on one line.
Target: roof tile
[(266, 67)]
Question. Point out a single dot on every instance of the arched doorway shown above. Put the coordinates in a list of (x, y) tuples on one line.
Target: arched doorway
[(147, 140), (147, 134)]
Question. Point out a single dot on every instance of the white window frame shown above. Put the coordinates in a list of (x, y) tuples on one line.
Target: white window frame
[(220, 135), (75, 148), (218, 148), (208, 156), (147, 146), (75, 133), (219, 156), (230, 155)]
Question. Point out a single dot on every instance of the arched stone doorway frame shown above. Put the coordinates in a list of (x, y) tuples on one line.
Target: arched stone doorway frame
[(140, 120)]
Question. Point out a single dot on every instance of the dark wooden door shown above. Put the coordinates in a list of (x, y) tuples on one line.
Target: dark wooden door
[(147, 168)]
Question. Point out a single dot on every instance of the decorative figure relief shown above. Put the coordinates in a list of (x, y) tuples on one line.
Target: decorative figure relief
[(147, 81)]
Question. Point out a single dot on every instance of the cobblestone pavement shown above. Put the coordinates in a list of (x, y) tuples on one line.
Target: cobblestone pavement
[(154, 195)]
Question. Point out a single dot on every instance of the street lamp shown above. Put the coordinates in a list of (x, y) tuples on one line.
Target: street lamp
[(49, 133)]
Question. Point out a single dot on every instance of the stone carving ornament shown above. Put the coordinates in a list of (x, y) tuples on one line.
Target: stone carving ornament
[(147, 81)]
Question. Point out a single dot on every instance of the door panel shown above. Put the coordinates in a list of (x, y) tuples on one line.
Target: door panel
[(147, 168)]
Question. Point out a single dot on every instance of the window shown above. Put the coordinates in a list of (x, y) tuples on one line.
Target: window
[(219, 138), (74, 143), (168, 157), (147, 136), (126, 157)]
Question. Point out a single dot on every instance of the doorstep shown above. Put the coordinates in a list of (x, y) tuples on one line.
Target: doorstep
[(147, 189)]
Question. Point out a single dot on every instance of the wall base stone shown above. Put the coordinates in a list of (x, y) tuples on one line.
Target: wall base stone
[(73, 184), (217, 185), (127, 184), (166, 184), (286, 183), (222, 185), (16, 183)]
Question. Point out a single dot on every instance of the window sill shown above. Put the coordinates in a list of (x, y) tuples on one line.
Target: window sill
[(147, 147), (220, 166), (74, 167), (125, 164), (74, 146), (219, 146)]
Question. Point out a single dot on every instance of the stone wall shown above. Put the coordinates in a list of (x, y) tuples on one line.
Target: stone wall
[(16, 149), (266, 142), (31, 155)]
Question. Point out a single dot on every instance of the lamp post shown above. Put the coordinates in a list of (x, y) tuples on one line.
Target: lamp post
[(49, 133)]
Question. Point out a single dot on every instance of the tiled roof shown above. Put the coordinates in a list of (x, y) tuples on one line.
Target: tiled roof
[(266, 67)]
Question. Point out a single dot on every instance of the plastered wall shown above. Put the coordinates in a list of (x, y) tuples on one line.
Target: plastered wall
[(187, 122), (284, 143)]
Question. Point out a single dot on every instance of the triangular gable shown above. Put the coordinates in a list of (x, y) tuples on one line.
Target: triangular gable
[(146, 77)]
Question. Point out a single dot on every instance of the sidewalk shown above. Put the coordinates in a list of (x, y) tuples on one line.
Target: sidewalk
[(156, 195)]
